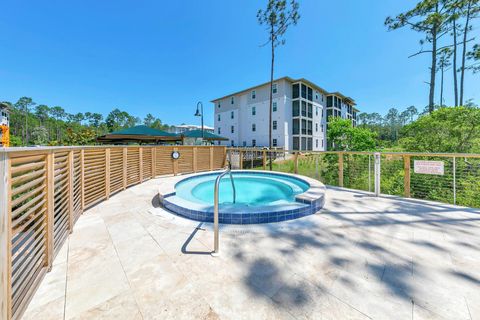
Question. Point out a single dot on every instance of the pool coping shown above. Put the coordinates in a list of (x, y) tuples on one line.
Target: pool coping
[(313, 200)]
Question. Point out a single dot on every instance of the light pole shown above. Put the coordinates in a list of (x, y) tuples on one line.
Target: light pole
[(199, 113)]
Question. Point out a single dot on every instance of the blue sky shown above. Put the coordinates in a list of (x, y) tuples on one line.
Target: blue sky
[(164, 56)]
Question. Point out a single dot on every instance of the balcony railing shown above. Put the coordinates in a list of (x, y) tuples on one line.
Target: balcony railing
[(43, 191)]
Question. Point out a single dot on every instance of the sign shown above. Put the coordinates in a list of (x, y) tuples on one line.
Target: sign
[(428, 167)]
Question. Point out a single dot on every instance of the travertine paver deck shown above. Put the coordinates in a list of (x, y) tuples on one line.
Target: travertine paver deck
[(359, 258)]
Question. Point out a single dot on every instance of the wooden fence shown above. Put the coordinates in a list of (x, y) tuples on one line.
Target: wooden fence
[(43, 191), (458, 184)]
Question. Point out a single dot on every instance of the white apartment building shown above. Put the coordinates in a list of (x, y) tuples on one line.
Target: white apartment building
[(299, 115)]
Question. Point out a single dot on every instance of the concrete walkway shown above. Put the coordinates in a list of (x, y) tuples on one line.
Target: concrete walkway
[(358, 258)]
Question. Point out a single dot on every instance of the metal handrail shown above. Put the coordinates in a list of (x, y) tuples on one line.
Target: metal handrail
[(215, 207)]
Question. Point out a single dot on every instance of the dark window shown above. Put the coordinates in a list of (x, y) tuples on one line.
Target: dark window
[(304, 143), (304, 91), (316, 127), (219, 104), (304, 126), (309, 144), (254, 94), (329, 114), (232, 129), (219, 132), (274, 125), (309, 127), (231, 142), (274, 106), (329, 101), (254, 111), (254, 127), (231, 115), (309, 94), (296, 126), (274, 142), (316, 143), (316, 111), (254, 143), (218, 117), (295, 91), (274, 88), (296, 108), (296, 145), (232, 100), (304, 109), (309, 115)]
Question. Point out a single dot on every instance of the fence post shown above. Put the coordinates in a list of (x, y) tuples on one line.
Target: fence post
[(377, 174), (154, 161), (140, 164), (264, 159), (211, 158), (107, 173), (240, 154), (340, 169), (5, 239), (316, 168), (124, 151), (71, 173), (82, 177), (295, 162), (175, 163), (455, 180), (194, 157), (50, 208), (406, 180)]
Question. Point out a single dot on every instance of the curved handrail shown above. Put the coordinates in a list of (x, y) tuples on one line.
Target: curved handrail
[(215, 207)]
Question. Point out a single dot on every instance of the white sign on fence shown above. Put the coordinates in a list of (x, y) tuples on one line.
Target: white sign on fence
[(428, 167)]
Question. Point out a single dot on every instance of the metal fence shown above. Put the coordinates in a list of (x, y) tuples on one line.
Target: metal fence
[(390, 173), (43, 191)]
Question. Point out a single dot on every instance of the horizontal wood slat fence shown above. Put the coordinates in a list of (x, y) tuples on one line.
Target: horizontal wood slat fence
[(43, 192)]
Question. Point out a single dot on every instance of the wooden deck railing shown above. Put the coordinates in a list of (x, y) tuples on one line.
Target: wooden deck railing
[(43, 191)]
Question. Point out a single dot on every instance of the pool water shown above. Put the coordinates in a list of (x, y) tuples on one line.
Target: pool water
[(251, 189)]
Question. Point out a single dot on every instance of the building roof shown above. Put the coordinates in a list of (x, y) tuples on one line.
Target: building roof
[(187, 126), (144, 131), (313, 85), (198, 134)]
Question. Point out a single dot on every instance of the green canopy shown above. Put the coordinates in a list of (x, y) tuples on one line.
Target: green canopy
[(206, 135), (139, 134)]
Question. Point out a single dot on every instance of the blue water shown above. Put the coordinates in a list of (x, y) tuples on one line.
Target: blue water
[(251, 189)]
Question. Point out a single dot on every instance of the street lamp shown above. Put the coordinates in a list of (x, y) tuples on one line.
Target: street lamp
[(199, 113)]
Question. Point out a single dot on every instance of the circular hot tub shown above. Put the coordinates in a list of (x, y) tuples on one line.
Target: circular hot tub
[(261, 197)]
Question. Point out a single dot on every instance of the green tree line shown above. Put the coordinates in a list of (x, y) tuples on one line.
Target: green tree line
[(39, 124)]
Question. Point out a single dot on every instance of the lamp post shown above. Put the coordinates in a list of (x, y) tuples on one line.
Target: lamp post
[(199, 113)]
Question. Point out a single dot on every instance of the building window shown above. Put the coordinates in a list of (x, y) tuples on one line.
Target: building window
[(304, 126), (322, 143), (309, 93), (316, 127), (232, 100), (274, 106), (329, 101), (316, 111), (316, 95), (309, 143), (274, 88), (254, 94), (296, 144), (296, 108), (316, 143), (219, 131), (231, 115), (304, 143), (296, 126), (218, 117), (310, 115), (295, 91), (274, 142), (254, 127), (232, 129), (304, 109), (219, 105), (322, 127), (304, 91), (254, 142), (254, 111), (244, 143), (231, 142), (274, 125), (309, 127)]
